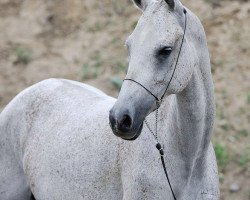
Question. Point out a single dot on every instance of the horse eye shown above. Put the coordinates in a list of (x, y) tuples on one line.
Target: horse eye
[(166, 51)]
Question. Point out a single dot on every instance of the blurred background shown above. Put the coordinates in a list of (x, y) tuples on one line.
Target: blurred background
[(84, 40)]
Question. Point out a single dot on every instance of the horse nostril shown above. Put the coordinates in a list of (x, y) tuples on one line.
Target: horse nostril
[(126, 123), (120, 123)]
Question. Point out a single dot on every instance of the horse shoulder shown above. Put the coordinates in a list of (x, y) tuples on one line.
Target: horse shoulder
[(31, 105)]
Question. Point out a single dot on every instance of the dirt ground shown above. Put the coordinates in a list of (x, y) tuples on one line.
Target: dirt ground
[(83, 40)]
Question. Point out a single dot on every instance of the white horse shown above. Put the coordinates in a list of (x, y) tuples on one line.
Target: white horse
[(55, 138)]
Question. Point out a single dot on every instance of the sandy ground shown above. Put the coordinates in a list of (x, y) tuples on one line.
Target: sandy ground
[(83, 40)]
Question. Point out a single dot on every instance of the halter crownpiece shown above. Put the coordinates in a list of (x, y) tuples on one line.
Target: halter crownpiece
[(158, 103)]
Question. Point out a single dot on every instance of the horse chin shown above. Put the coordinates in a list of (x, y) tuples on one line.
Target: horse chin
[(137, 134)]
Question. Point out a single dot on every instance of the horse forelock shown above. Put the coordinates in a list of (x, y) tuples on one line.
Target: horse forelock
[(156, 5)]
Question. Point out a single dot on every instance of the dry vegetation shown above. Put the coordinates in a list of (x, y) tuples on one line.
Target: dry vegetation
[(83, 40)]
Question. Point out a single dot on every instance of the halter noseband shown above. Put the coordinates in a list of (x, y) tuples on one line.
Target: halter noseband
[(151, 93)]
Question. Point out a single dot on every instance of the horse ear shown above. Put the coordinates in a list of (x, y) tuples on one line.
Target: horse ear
[(141, 4), (170, 3)]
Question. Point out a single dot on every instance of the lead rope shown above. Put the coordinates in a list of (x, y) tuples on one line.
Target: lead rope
[(160, 149)]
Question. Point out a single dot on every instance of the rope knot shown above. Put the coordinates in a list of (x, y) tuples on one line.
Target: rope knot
[(160, 149)]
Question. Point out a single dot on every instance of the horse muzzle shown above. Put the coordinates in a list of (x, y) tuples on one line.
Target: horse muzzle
[(124, 126)]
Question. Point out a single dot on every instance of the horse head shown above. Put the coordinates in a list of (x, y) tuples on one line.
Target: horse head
[(161, 62)]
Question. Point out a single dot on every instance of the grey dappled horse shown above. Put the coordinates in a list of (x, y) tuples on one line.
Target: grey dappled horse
[(56, 141)]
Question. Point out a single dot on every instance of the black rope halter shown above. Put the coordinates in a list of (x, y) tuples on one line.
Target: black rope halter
[(158, 102)]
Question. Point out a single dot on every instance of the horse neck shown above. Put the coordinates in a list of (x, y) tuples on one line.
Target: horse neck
[(186, 128), (194, 119)]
